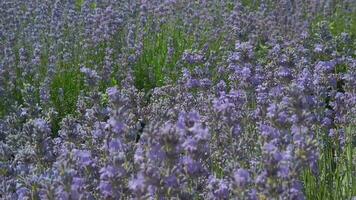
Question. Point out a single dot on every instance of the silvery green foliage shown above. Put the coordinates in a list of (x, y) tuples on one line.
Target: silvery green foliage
[(240, 121)]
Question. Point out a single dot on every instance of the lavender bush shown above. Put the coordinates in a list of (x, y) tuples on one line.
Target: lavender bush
[(166, 99)]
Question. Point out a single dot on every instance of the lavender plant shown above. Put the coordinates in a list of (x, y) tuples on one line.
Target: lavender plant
[(177, 99)]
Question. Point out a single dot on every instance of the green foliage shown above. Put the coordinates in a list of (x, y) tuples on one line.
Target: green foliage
[(79, 3), (339, 21), (336, 178), (65, 89), (154, 64), (251, 4)]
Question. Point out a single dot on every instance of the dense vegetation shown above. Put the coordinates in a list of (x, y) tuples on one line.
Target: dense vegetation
[(166, 99)]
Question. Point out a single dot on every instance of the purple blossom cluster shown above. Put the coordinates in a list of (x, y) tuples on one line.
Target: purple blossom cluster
[(244, 120)]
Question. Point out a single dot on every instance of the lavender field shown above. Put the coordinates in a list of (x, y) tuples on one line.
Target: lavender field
[(178, 99)]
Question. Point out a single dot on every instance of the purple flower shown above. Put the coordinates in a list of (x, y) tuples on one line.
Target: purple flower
[(191, 166), (318, 48), (107, 172), (270, 148), (192, 57), (325, 66), (241, 177), (106, 189), (200, 133), (193, 83), (92, 76), (117, 126), (284, 72), (77, 186), (137, 184), (245, 72), (115, 145), (237, 130), (23, 193), (171, 181), (272, 110), (112, 92), (219, 188), (283, 171), (83, 157), (156, 153), (190, 144)]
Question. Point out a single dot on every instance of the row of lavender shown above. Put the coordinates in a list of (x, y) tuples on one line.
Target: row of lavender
[(250, 100)]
